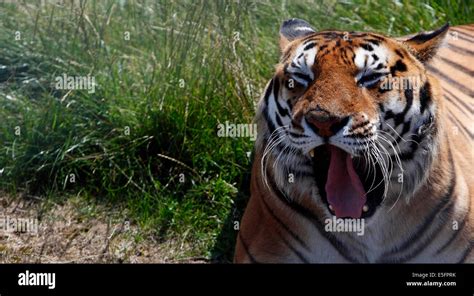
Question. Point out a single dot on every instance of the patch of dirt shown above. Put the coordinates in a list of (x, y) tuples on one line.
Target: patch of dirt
[(77, 232)]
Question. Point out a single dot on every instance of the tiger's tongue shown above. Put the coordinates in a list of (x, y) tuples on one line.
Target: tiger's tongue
[(344, 189)]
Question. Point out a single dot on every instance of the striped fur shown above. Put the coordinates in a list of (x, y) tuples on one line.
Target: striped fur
[(424, 138)]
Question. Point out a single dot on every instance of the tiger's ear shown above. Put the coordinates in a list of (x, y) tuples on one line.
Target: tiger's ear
[(425, 45), (292, 29)]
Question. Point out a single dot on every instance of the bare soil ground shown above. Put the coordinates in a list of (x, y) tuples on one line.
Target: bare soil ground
[(75, 232)]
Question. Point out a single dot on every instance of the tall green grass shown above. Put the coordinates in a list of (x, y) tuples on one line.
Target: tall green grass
[(167, 73)]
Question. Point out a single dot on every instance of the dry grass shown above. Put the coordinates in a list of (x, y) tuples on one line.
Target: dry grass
[(75, 232)]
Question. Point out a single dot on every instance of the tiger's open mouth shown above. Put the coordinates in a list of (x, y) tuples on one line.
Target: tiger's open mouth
[(346, 184)]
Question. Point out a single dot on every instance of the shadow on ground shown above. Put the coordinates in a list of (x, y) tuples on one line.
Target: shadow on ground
[(223, 250)]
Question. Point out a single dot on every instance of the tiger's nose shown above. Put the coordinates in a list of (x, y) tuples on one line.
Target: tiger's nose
[(324, 124)]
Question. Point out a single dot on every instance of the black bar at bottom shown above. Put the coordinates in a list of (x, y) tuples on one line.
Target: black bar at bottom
[(155, 279)]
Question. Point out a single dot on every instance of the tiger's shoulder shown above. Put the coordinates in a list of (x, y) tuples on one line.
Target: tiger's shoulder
[(453, 67)]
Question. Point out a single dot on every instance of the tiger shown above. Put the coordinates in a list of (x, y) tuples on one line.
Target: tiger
[(359, 128)]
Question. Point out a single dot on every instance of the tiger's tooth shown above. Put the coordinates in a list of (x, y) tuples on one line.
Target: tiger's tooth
[(311, 153), (365, 208)]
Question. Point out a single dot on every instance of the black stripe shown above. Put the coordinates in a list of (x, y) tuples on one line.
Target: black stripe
[(406, 156), (309, 46), (405, 129), (323, 47), (409, 100), (416, 235), (451, 81), (294, 250), (246, 249), (271, 125), (307, 38), (465, 38), (460, 50), (399, 53), (458, 100), (345, 59), (459, 125), (381, 107), (285, 69), (425, 96), (282, 111), (457, 66), (379, 66), (278, 119), (455, 103), (453, 237), (336, 127), (303, 76), (416, 138), (463, 33), (375, 41), (296, 125), (466, 253), (367, 47), (370, 80), (281, 223), (268, 91), (399, 66), (399, 117)]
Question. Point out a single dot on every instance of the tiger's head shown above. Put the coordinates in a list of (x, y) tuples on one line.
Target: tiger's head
[(353, 114)]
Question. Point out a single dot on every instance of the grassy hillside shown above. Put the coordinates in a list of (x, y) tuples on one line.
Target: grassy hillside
[(166, 74)]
